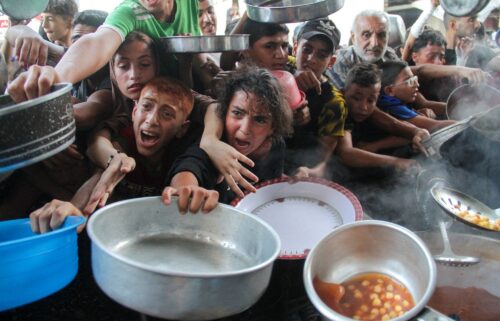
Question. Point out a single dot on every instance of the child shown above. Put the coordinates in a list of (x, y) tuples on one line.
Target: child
[(159, 120), (400, 88), (368, 123), (317, 41), (256, 117)]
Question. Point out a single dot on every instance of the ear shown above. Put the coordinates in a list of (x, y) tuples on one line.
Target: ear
[(183, 130), (452, 24), (352, 37), (388, 91), (332, 61), (414, 56)]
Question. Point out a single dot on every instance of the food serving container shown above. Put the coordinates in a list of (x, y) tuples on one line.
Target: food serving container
[(467, 100), (286, 11), (34, 266), (150, 258), (36, 129), (462, 8), (197, 44), (373, 247)]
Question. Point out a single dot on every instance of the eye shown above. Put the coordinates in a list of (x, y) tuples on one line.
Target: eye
[(146, 105), (167, 114), (261, 119), (237, 113), (366, 35), (382, 35)]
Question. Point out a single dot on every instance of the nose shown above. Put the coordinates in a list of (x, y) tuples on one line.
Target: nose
[(245, 126), (374, 40), (438, 61), (281, 52), (135, 72), (45, 23), (152, 117)]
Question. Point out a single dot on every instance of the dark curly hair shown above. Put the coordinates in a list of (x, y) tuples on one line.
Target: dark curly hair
[(364, 75), (65, 8), (265, 88)]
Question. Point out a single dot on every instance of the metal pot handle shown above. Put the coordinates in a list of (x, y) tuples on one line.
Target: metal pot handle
[(429, 314)]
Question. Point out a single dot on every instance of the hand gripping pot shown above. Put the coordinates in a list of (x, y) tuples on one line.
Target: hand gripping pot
[(293, 94), (150, 258), (33, 266), (374, 247)]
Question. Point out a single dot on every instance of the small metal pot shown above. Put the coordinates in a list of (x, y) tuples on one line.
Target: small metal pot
[(22, 9), (397, 31), (150, 258), (285, 11), (373, 246), (36, 129)]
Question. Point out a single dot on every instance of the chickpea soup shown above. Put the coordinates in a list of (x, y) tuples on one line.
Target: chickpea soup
[(368, 296)]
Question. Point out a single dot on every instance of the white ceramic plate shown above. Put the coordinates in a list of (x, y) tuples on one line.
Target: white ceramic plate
[(302, 211)]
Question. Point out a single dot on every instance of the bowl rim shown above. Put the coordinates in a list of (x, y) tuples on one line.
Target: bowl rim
[(59, 90), (145, 267), (71, 222), (326, 311)]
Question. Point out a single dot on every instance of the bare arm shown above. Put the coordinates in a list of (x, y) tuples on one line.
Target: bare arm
[(95, 109), (228, 59), (328, 145), (431, 71)]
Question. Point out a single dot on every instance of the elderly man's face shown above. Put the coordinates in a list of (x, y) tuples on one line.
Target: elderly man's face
[(467, 26), (207, 18), (370, 38)]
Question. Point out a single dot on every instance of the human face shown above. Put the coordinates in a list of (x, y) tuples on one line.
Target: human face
[(56, 27), (247, 124), (207, 17), (157, 118), (315, 55), (133, 67), (370, 38), (430, 54), (405, 86), (160, 9), (79, 30), (466, 26), (270, 52), (361, 101)]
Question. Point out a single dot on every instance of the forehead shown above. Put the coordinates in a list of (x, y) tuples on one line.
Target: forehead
[(204, 4), (134, 49), (279, 37), (247, 100), (370, 23), (82, 29), (318, 41), (365, 91), (431, 48), (405, 73)]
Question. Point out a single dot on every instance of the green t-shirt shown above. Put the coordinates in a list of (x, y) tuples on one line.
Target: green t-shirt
[(130, 16)]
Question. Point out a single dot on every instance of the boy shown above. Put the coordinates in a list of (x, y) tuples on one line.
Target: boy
[(367, 123), (316, 43), (400, 88), (57, 21), (142, 154)]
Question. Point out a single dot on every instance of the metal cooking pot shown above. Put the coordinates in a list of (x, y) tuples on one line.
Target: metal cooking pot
[(462, 8), (373, 246), (397, 31), (195, 44), (36, 129), (150, 258), (23, 9), (285, 11), (467, 100)]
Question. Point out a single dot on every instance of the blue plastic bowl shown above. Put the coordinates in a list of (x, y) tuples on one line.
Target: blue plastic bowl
[(33, 266)]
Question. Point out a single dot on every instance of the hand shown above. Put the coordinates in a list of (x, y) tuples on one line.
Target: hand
[(31, 49), (119, 166), (307, 80), (316, 171), (227, 161), (33, 83), (218, 79), (192, 197), (301, 115), (417, 140), (52, 215), (435, 3), (427, 112), (65, 159), (473, 75)]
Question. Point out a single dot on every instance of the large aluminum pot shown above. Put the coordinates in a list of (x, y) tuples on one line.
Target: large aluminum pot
[(463, 8), (373, 246), (150, 258), (36, 129)]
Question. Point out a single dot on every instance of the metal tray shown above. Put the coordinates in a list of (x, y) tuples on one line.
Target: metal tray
[(197, 44), (284, 11)]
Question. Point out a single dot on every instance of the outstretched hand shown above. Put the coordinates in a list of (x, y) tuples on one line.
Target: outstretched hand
[(33, 83), (191, 197), (120, 165), (52, 215)]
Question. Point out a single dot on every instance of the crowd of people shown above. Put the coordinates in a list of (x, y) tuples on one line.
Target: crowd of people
[(207, 127)]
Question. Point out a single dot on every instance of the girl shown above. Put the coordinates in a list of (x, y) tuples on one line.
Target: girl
[(256, 118)]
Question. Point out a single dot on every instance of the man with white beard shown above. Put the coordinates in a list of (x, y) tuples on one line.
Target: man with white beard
[(369, 35)]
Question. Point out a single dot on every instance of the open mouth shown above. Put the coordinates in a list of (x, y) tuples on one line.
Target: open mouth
[(148, 138), (241, 144)]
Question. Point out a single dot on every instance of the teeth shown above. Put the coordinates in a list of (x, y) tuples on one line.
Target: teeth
[(148, 133)]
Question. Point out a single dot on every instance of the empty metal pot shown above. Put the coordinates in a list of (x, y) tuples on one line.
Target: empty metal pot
[(36, 129), (150, 258)]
